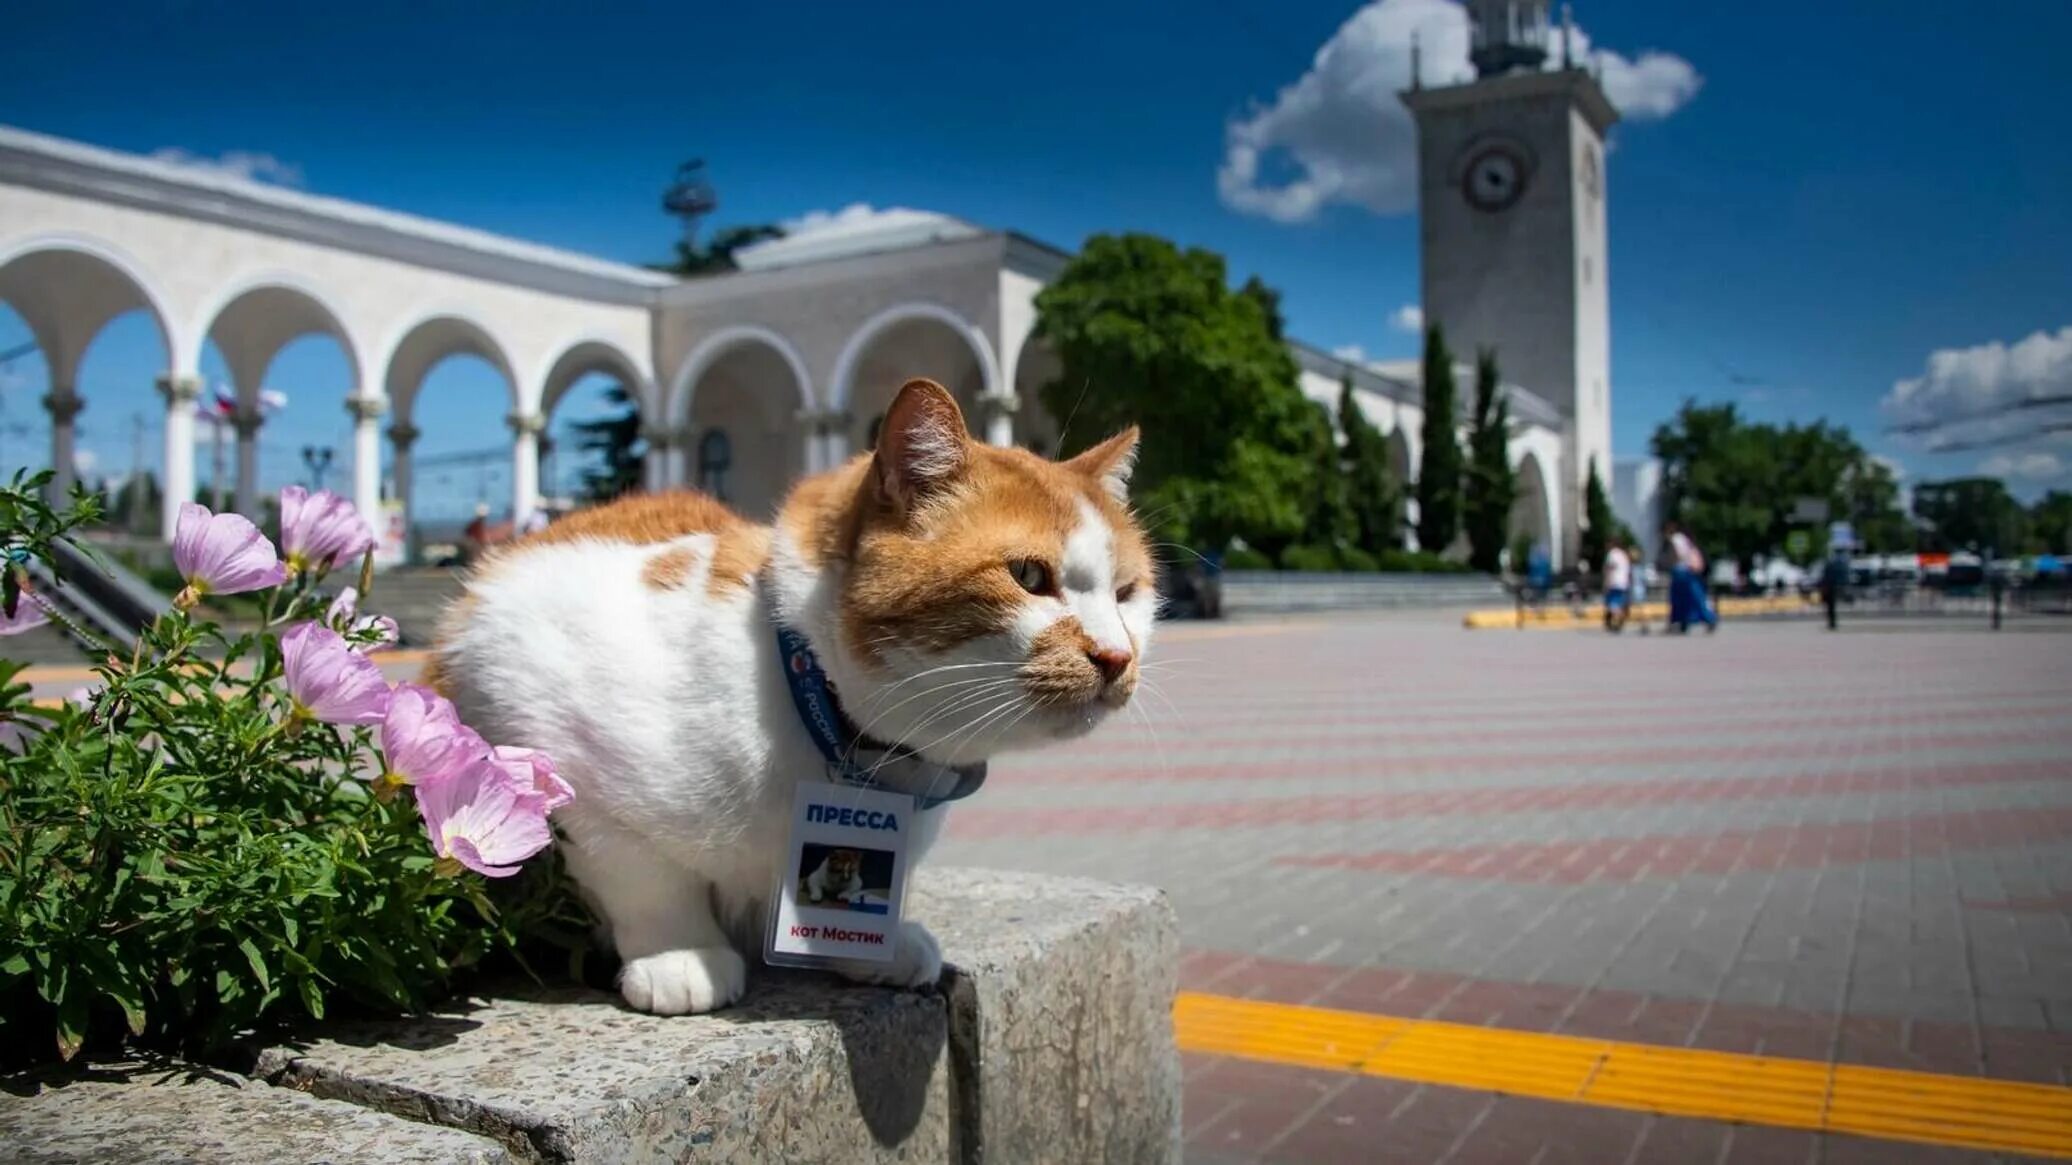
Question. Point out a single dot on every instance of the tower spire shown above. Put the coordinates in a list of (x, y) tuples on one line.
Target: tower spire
[(1416, 62)]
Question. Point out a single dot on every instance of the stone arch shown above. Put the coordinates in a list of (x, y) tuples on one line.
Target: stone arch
[(735, 424), (253, 318), (1532, 510), (683, 387), (425, 342), (1035, 365), (1401, 463), (938, 342), (68, 287), (579, 358)]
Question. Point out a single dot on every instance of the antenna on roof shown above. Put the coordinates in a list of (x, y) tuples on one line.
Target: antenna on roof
[(690, 197)]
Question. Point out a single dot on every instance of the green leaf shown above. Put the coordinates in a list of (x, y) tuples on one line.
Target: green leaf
[(132, 1010), (72, 1020), (312, 997), (252, 956)]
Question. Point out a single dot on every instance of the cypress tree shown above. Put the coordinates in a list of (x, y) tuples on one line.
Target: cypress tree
[(1439, 472)]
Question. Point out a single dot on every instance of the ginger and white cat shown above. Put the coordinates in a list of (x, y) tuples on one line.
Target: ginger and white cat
[(964, 600), (838, 878)]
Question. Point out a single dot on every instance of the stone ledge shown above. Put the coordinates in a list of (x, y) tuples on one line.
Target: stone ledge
[(122, 1112), (1050, 1040), (1061, 1020), (797, 1071)]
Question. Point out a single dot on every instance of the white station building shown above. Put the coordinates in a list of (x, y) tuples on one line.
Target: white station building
[(746, 380)]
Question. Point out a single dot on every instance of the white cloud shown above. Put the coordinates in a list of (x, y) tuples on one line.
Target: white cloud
[(1350, 352), (1408, 318), (1341, 135), (2023, 466), (249, 165), (1987, 394)]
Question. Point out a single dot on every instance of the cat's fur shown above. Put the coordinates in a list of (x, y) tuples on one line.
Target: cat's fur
[(634, 644), (839, 877)]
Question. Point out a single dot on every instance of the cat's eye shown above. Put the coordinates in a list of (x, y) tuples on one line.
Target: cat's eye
[(1126, 592), (1033, 576)]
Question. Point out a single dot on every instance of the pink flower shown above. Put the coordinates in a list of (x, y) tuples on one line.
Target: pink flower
[(28, 613), (328, 680), (533, 771), (369, 633), (221, 554), (478, 818), (320, 530), (423, 740)]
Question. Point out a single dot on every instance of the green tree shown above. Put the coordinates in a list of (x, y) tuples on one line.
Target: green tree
[(1971, 513), (1331, 522), (716, 255), (612, 440), (1371, 488), (1490, 485), (1439, 474), (1870, 502), (1599, 526), (1736, 485), (1228, 438), (2051, 522)]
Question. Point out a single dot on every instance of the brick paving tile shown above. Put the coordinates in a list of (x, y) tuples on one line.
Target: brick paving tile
[(1774, 840)]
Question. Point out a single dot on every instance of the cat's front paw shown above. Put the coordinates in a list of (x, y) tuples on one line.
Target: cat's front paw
[(687, 982), (916, 963)]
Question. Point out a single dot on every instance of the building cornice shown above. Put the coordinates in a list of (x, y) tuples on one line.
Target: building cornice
[(47, 163), (1575, 84)]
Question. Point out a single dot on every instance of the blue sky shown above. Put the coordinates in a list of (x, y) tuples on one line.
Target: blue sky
[(1834, 194)]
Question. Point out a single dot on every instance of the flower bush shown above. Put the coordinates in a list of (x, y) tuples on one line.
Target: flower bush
[(211, 839)]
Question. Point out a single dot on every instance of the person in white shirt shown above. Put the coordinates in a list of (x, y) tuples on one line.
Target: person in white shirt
[(1618, 583)]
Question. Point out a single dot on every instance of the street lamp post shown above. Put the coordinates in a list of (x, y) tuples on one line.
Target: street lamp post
[(317, 459)]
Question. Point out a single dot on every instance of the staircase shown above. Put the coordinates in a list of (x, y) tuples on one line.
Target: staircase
[(97, 606), (414, 596)]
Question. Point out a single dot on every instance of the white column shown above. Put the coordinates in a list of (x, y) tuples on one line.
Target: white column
[(654, 467), (64, 404), (827, 438), (180, 393), (678, 458), (366, 413), (403, 435), (247, 422), (811, 426), (525, 464), (997, 409)]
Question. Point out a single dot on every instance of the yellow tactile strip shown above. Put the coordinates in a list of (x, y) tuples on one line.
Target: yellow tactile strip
[(1996, 1115)]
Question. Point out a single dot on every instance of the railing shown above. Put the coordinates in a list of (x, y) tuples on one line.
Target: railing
[(101, 603)]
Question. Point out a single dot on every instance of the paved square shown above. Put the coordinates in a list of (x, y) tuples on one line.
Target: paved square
[(1851, 847)]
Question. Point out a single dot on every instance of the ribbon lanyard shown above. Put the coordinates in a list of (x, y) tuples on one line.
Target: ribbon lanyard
[(814, 698)]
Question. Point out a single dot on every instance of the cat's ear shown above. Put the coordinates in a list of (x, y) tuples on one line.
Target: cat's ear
[(922, 446), (1110, 463)]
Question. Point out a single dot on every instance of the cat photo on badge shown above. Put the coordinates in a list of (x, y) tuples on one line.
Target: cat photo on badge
[(833, 877)]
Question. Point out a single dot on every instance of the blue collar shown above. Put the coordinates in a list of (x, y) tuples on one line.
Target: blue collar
[(840, 742)]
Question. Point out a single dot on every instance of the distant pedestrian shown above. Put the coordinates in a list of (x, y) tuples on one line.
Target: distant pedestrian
[(1618, 583), (1539, 573), (1687, 600)]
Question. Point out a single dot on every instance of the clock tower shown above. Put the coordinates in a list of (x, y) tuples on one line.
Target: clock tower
[(1512, 224)]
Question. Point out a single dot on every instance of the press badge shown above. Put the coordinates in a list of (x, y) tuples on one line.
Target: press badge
[(838, 896)]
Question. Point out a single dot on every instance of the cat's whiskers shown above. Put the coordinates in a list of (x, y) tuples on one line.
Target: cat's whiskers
[(961, 686), (877, 697), (979, 691)]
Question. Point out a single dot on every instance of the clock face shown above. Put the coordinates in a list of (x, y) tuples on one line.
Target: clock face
[(1494, 179)]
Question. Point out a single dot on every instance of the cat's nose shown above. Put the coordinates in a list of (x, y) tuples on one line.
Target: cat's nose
[(1111, 662)]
